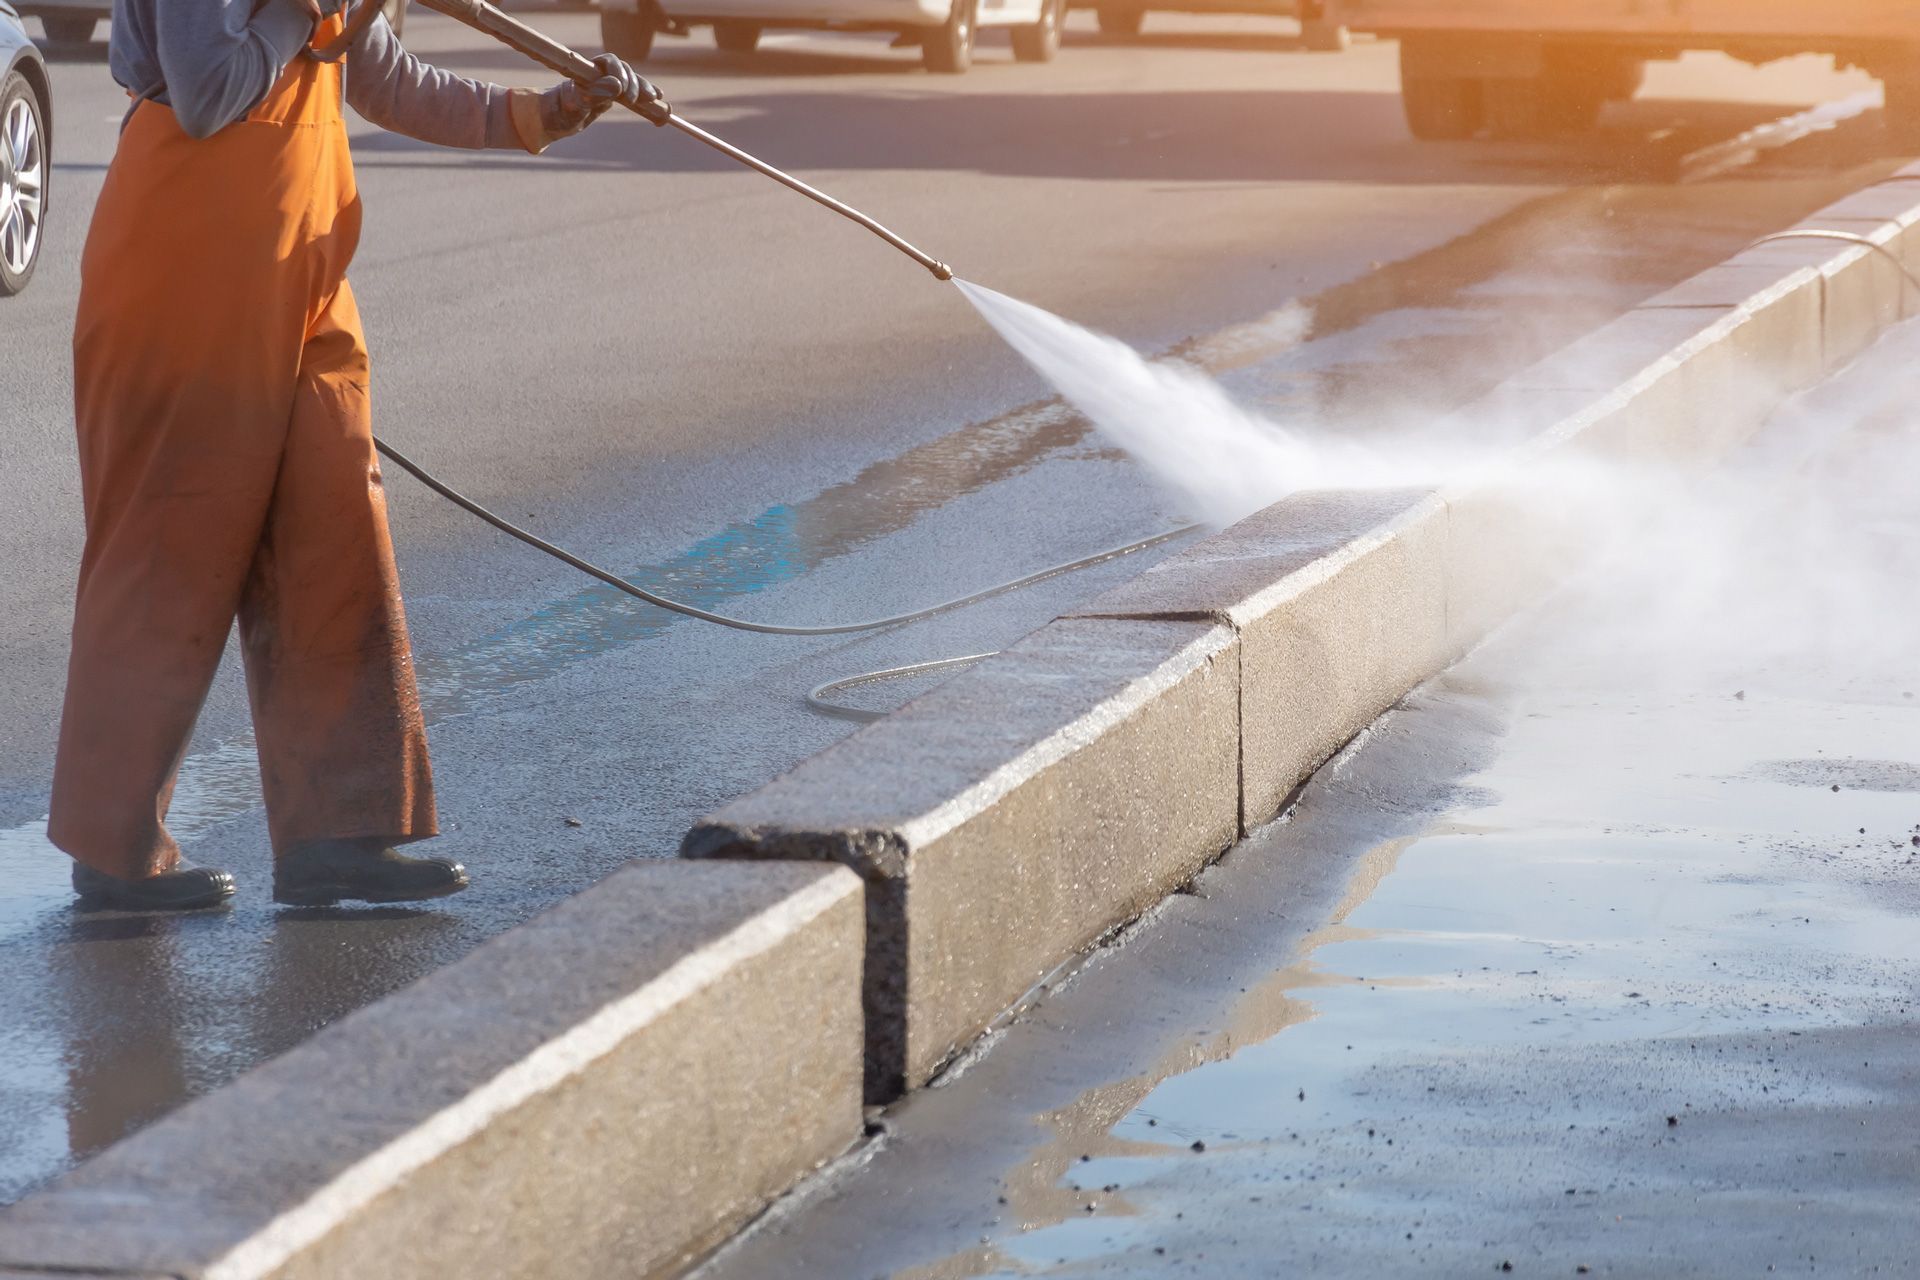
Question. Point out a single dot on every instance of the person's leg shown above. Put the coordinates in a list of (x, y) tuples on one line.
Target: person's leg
[(176, 470), (343, 750), (197, 289)]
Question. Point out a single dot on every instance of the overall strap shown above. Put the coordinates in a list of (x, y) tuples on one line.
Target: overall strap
[(336, 49)]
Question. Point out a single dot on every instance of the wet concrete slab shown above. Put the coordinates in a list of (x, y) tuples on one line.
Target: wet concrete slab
[(605, 1091), (1596, 956), (677, 449)]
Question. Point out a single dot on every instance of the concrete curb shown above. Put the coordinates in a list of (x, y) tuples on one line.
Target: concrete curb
[(1010, 818), (607, 1090), (999, 821), (1339, 601)]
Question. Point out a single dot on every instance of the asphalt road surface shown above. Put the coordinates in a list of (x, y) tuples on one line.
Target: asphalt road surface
[(699, 378), (1595, 956)]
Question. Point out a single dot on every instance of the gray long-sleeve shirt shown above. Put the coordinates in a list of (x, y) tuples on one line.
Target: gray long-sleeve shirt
[(213, 61)]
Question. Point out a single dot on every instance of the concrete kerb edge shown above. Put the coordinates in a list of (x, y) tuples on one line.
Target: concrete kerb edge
[(1055, 748), (513, 1076), (1308, 585), (1019, 775), (1788, 318)]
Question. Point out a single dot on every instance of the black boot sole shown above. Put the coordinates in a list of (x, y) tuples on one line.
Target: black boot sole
[(108, 902), (327, 895)]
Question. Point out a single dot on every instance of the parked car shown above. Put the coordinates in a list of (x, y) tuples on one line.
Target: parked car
[(1317, 31), (74, 21), (26, 134), (66, 21), (944, 29)]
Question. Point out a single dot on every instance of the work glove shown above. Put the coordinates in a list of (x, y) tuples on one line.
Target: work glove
[(568, 107)]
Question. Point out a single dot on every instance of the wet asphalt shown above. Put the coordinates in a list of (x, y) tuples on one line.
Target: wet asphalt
[(1595, 956), (742, 402)]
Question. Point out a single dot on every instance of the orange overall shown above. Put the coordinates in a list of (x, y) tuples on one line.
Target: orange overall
[(227, 467)]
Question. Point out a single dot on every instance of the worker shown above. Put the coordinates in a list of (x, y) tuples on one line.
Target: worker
[(226, 453)]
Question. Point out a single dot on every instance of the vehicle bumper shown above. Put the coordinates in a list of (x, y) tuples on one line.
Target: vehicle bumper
[(65, 8)]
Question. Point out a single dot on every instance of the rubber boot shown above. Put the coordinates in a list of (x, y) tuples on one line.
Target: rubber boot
[(320, 873), (185, 888)]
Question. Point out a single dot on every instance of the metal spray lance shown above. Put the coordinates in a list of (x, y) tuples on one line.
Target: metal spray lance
[(556, 57)]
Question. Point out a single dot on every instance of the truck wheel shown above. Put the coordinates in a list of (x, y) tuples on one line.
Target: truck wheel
[(1538, 107), (1571, 106), (1441, 108), (1624, 79), (1039, 41), (732, 36), (1317, 33), (629, 35), (1901, 115), (67, 28), (1516, 108), (948, 48), (1115, 21)]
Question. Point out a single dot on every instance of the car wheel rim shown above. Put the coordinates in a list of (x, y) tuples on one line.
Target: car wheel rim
[(22, 185)]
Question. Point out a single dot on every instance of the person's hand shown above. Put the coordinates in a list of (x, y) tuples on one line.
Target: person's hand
[(567, 108)]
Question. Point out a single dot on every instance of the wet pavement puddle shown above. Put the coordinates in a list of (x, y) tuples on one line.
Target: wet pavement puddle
[(1639, 923)]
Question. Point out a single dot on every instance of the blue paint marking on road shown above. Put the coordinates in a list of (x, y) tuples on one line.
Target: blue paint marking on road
[(741, 560)]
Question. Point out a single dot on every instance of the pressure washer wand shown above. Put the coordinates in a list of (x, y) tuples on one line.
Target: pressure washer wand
[(557, 57)]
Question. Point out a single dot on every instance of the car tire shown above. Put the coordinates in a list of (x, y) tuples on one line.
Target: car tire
[(24, 170), (733, 36), (1116, 21), (68, 28), (1441, 108), (628, 35), (1039, 41), (948, 48)]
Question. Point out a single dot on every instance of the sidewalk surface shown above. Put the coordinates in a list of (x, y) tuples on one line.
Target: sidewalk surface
[(1599, 956)]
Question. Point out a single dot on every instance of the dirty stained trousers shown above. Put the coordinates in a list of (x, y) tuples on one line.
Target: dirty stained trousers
[(227, 470)]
